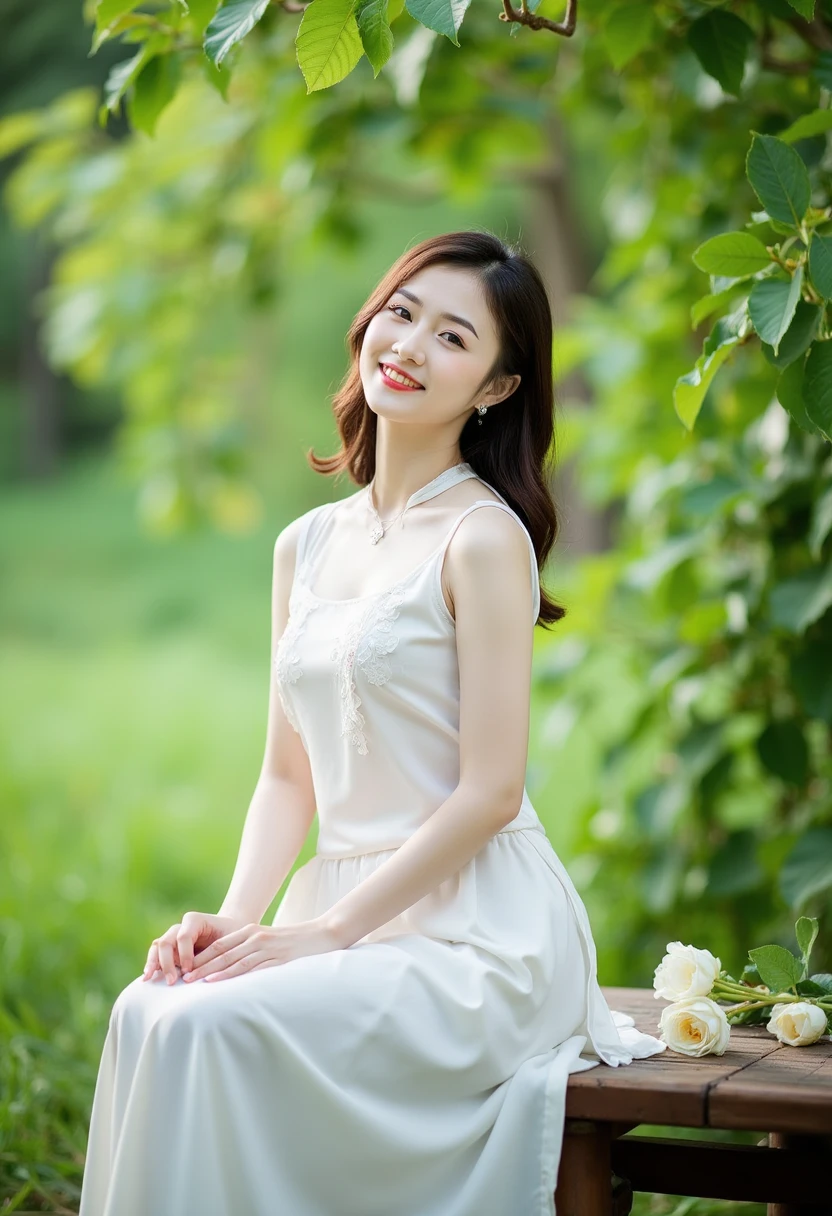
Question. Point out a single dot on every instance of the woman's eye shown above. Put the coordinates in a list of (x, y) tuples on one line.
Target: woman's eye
[(393, 307)]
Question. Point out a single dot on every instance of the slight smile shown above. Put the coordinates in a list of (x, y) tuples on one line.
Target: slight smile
[(397, 379)]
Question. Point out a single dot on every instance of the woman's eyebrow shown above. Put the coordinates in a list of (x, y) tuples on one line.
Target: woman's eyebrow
[(449, 316)]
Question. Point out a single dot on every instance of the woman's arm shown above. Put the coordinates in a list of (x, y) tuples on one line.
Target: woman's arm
[(488, 568), (283, 804)]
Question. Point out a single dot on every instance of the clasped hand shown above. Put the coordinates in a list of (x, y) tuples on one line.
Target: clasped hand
[(254, 947), (204, 946)]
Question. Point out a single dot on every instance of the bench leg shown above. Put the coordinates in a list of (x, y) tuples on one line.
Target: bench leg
[(814, 1144), (585, 1175)]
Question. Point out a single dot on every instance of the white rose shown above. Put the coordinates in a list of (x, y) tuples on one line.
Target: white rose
[(696, 1026), (797, 1023), (685, 972)]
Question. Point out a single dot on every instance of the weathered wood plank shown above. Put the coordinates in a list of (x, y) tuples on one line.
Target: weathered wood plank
[(759, 1084), (789, 1090)]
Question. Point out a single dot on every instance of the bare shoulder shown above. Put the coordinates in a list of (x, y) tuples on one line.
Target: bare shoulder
[(494, 534), (286, 544), (488, 548)]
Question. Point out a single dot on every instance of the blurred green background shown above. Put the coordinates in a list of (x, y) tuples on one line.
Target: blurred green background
[(178, 282)]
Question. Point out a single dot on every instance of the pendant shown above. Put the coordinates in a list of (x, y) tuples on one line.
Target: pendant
[(376, 534)]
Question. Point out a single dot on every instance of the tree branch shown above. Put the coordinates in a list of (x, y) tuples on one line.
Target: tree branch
[(534, 22)]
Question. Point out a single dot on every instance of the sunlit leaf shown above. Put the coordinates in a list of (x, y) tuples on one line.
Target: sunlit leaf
[(808, 125), (375, 32), (779, 178), (798, 337), (736, 254), (772, 305), (328, 43), (229, 25), (442, 16)]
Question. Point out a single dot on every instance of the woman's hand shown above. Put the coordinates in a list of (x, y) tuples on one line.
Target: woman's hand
[(254, 947), (178, 946)]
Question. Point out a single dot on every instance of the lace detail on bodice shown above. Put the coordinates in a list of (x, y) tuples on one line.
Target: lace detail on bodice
[(286, 659), (366, 642)]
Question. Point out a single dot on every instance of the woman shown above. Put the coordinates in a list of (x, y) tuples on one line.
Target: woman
[(400, 1038)]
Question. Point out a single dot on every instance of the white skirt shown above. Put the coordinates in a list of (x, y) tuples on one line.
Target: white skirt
[(421, 1071)]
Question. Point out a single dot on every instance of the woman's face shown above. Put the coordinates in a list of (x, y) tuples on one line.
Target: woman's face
[(448, 355)]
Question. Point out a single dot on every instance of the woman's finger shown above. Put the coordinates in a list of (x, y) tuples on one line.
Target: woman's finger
[(243, 965), (185, 948), (152, 964), (167, 960), (223, 952)]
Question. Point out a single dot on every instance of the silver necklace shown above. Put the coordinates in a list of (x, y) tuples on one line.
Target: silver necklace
[(446, 477)]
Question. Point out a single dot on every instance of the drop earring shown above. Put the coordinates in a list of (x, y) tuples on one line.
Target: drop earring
[(481, 409)]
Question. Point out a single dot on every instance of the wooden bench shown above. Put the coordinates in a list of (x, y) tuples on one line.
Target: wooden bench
[(758, 1085)]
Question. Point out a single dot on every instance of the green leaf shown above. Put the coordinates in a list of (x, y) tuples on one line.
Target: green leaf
[(820, 264), (328, 43), (109, 11), (690, 389), (778, 967), (200, 13), (817, 386), (131, 22), (806, 930), (779, 178), (713, 301), (807, 870), (720, 41), (123, 74), (797, 602), (154, 88), (375, 32), (798, 337), (230, 25), (646, 573), (806, 8), (789, 391), (808, 125), (443, 16), (736, 254), (627, 31), (821, 525), (772, 305), (810, 988), (809, 671), (708, 498), (782, 749), (823, 980)]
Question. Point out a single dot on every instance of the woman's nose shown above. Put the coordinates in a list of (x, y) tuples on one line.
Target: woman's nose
[(407, 350)]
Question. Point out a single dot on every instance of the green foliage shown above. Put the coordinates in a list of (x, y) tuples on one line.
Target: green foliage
[(778, 967), (785, 306)]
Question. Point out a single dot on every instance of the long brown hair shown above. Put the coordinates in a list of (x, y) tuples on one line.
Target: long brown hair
[(514, 449)]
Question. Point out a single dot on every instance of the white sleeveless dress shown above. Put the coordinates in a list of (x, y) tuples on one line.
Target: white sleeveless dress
[(422, 1071)]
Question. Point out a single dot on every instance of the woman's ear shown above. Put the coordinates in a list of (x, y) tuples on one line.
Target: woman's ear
[(503, 388)]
